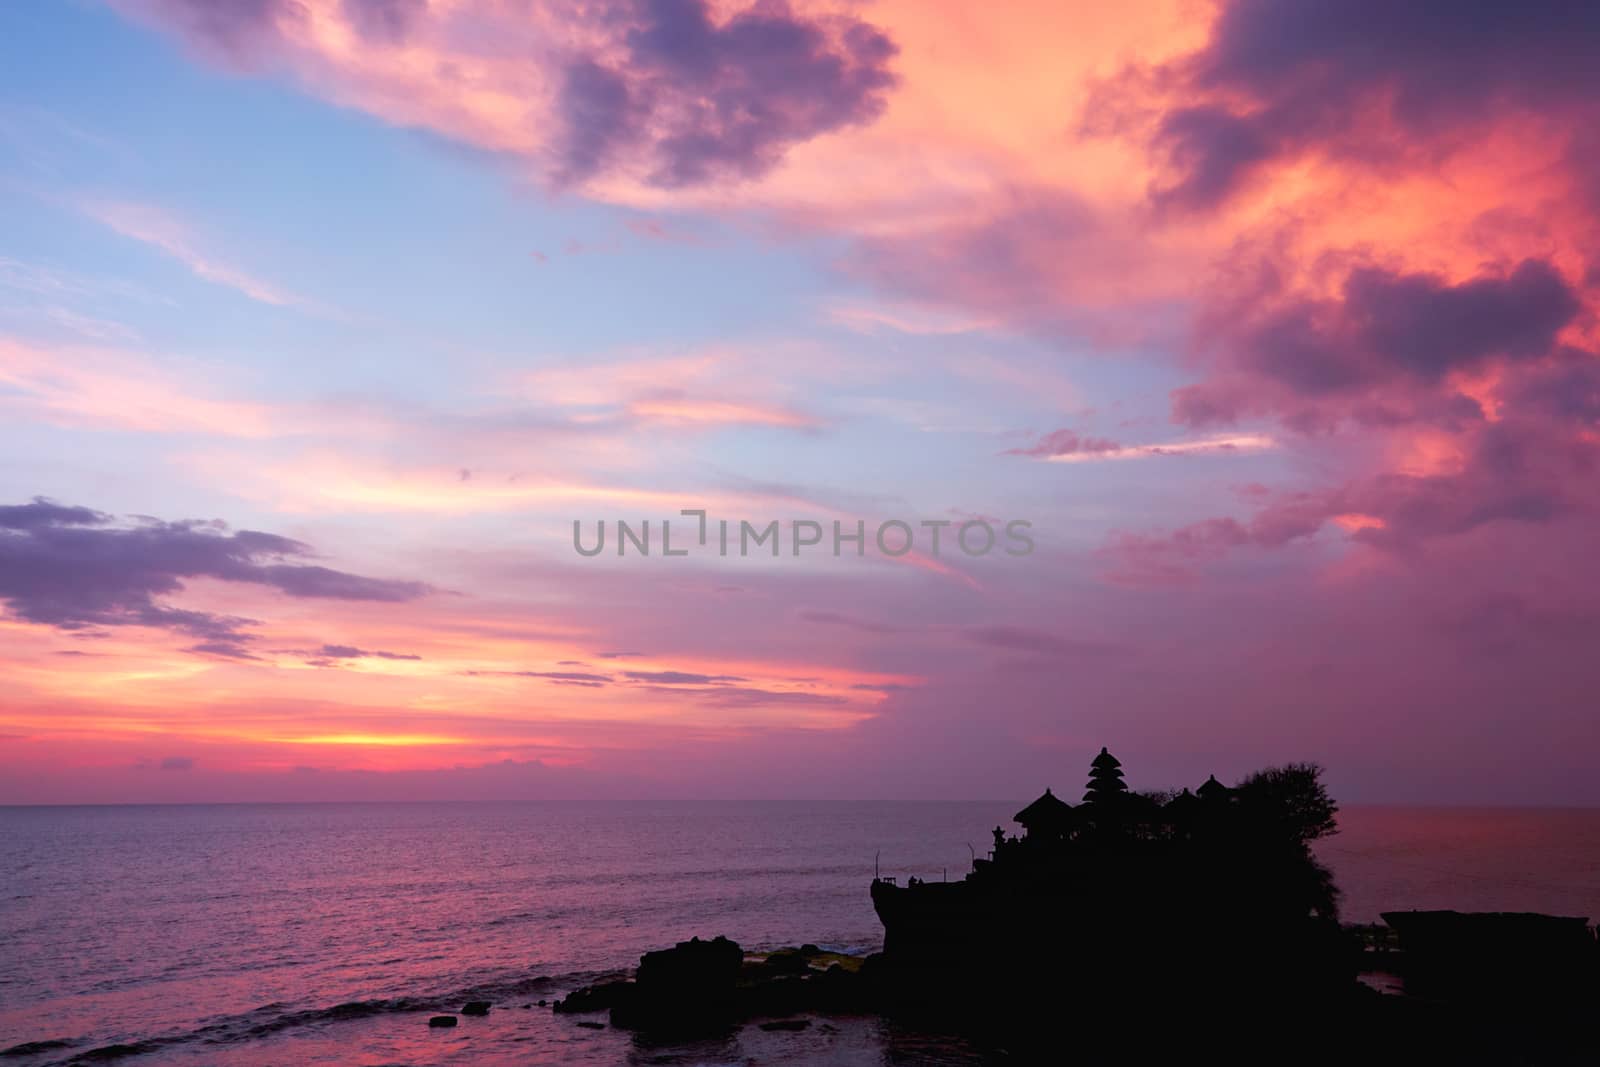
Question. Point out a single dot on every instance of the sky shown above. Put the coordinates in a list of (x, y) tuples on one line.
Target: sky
[(325, 325)]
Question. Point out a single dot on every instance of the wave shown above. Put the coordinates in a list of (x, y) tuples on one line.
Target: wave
[(31, 1048), (270, 1019)]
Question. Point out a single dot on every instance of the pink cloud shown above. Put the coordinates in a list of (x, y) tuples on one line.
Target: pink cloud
[(158, 228), (1065, 443), (1365, 229), (671, 92)]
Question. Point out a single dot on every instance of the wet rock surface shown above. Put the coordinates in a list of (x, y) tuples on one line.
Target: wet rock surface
[(700, 988)]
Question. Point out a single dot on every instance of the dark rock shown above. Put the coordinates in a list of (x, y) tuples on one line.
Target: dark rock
[(589, 1024), (786, 1024), (476, 1007), (541, 1003), (687, 988), (788, 961), (1496, 957), (808, 950), (837, 989), (701, 965), (781, 995), (442, 1020), (601, 997)]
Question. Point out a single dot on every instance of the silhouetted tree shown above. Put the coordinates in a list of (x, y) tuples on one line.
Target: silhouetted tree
[(1321, 891), (1290, 800)]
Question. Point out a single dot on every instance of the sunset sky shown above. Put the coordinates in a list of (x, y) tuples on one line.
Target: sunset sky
[(321, 321)]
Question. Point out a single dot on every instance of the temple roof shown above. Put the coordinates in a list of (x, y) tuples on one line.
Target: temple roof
[(1184, 801), (1048, 808), (1212, 788), (1105, 761)]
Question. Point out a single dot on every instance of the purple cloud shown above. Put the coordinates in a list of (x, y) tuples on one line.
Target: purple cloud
[(738, 696), (41, 512), (1293, 75), (835, 618), (1037, 642), (702, 100), (1517, 471), (1390, 325), (233, 31), (351, 652), (1065, 443), (332, 655), (75, 569), (569, 677), (666, 86), (1383, 351), (226, 646), (679, 678), (384, 21)]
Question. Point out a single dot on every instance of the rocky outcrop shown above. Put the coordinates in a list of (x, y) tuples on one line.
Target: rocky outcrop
[(689, 987), (702, 986), (602, 996), (1497, 957)]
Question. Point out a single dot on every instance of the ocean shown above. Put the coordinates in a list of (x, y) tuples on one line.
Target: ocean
[(327, 933)]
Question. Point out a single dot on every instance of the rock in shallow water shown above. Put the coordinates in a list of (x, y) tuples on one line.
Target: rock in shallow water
[(442, 1020), (600, 997), (786, 1024), (476, 1007), (788, 961), (686, 988)]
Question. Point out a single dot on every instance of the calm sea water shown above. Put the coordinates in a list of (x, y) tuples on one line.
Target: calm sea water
[(279, 934)]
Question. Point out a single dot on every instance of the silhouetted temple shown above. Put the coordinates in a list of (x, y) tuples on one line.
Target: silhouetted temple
[(1126, 890), (1152, 928)]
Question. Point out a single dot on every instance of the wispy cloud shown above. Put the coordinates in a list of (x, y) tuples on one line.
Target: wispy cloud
[(707, 389), (1248, 442), (902, 318), (68, 301), (1066, 446), (156, 227), (99, 388)]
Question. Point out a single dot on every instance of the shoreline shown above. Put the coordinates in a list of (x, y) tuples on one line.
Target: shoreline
[(808, 993), (1489, 1008), (346, 960)]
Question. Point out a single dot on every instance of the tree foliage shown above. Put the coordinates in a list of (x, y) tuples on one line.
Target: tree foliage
[(1291, 800)]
